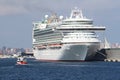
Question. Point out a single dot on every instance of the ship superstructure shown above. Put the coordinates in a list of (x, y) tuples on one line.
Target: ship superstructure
[(65, 39)]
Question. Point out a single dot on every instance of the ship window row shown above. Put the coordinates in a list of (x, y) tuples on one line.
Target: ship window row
[(45, 30), (80, 37), (52, 34), (42, 33), (72, 23), (49, 35), (48, 41), (75, 27), (49, 38), (42, 40), (77, 24), (79, 34), (78, 21)]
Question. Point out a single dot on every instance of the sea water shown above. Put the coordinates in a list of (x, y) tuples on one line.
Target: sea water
[(36, 70)]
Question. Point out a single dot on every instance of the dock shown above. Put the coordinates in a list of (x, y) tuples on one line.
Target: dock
[(113, 54), (108, 55)]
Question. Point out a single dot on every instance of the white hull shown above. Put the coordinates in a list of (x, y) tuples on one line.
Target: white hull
[(68, 52), (70, 39)]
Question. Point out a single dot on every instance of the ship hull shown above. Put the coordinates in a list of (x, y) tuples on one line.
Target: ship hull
[(67, 52)]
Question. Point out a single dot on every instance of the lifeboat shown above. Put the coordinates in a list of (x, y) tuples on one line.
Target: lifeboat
[(55, 45)]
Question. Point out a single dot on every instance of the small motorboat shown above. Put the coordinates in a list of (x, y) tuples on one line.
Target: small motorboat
[(21, 61)]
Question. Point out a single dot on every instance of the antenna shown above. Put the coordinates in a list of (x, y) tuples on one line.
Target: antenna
[(76, 13)]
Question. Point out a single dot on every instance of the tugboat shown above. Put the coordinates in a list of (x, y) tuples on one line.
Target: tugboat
[(21, 61)]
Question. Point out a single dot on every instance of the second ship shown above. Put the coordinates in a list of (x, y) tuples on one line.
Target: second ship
[(69, 39)]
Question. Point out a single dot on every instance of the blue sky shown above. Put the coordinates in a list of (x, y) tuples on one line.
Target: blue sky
[(16, 17)]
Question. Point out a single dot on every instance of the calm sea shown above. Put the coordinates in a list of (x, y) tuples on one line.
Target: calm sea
[(36, 70)]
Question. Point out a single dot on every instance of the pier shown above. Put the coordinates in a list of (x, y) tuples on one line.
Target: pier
[(108, 55)]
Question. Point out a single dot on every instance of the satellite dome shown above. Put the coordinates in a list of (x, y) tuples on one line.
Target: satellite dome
[(61, 17), (46, 16)]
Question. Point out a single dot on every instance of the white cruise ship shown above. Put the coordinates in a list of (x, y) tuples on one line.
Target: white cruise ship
[(65, 39)]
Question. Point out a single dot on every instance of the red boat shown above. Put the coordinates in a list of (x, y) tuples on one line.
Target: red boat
[(21, 61)]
